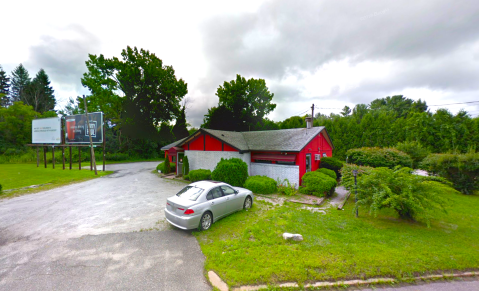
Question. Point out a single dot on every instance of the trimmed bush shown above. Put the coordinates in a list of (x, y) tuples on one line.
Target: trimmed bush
[(379, 157), (233, 171), (260, 184), (317, 184), (328, 172), (163, 167), (186, 166), (461, 170), (331, 164), (199, 175), (414, 150)]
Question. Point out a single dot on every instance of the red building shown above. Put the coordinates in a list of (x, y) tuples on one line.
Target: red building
[(279, 154)]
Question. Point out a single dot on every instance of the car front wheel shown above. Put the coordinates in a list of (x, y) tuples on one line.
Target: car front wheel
[(248, 202), (206, 221)]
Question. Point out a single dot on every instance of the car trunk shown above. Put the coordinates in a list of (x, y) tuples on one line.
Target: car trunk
[(178, 205)]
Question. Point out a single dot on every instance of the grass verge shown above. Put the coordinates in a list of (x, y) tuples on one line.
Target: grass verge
[(247, 247), (13, 177)]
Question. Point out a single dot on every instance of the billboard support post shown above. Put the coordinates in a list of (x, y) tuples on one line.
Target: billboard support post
[(104, 138), (92, 151), (45, 156), (79, 158), (70, 149), (63, 142), (53, 156), (38, 158)]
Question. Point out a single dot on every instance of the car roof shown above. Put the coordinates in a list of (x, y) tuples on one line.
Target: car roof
[(207, 184)]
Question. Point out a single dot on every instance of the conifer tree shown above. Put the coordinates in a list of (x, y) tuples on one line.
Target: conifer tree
[(39, 93), (179, 129), (20, 79), (4, 88)]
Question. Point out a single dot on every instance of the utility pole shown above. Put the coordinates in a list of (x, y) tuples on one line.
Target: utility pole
[(312, 115), (92, 152)]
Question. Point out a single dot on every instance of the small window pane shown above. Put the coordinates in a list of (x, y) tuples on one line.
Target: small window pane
[(216, 193)]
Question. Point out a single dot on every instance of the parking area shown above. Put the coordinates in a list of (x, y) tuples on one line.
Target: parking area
[(91, 236)]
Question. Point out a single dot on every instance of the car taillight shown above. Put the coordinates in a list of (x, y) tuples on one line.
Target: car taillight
[(168, 203), (189, 211)]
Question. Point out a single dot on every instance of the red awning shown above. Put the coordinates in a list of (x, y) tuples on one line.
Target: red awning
[(172, 151), (274, 157)]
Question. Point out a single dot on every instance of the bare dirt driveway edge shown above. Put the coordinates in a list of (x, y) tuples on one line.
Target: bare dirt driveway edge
[(86, 236)]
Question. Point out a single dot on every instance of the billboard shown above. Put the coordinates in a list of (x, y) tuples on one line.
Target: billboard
[(78, 132), (47, 130)]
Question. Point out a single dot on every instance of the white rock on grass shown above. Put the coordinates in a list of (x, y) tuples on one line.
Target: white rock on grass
[(295, 237)]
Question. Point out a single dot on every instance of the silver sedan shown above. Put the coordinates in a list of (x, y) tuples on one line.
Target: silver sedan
[(200, 204)]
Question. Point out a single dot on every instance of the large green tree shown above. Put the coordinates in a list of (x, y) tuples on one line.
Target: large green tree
[(39, 94), (136, 92), (20, 80), (242, 105), (180, 129), (4, 88)]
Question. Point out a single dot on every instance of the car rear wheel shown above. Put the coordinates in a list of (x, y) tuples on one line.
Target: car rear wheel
[(248, 202), (206, 221)]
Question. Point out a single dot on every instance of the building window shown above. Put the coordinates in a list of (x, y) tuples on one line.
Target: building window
[(308, 162), (173, 159), (263, 162), (285, 163)]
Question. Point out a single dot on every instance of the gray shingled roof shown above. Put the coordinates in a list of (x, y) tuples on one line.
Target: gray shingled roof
[(291, 140), (233, 138), (174, 144), (294, 139)]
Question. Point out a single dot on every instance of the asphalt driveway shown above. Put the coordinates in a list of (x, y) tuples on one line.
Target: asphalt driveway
[(91, 236)]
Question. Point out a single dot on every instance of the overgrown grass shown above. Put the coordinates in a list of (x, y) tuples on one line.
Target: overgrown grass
[(248, 248), (16, 176)]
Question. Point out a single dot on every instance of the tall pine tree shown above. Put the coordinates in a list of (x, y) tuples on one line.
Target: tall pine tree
[(179, 129), (20, 79), (39, 93), (4, 88)]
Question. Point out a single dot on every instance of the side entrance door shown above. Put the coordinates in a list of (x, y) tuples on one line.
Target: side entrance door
[(308, 163), (179, 164)]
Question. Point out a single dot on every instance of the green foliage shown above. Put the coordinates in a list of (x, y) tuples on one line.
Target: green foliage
[(285, 187), (461, 170), (379, 157), (39, 94), (260, 184), (179, 129), (199, 175), (20, 80), (166, 167), (186, 166), (186, 177), (414, 150), (332, 164), (4, 88), (347, 177), (411, 196), (0, 188), (318, 184), (242, 105), (233, 171), (116, 157), (328, 172)]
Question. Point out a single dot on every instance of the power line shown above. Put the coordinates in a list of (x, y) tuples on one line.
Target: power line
[(455, 103)]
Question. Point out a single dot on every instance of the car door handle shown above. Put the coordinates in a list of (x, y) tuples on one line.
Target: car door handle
[(227, 198), (212, 203)]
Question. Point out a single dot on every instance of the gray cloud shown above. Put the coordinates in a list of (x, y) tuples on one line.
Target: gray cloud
[(428, 40), (64, 58)]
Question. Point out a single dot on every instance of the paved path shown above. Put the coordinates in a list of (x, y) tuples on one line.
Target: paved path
[(85, 237)]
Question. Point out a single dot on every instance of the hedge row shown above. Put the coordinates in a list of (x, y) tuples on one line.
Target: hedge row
[(331, 164), (261, 184), (379, 157), (461, 170), (233, 171), (199, 175)]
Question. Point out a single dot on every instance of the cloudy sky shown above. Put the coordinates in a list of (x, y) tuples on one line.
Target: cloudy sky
[(330, 53)]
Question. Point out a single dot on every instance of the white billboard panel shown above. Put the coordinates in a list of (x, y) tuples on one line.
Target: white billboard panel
[(47, 130)]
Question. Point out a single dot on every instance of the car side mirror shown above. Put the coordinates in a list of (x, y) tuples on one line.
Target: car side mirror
[(236, 192)]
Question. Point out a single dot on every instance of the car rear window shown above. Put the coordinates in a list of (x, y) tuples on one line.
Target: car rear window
[(190, 192)]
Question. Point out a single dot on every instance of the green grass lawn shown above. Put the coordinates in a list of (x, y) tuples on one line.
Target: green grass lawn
[(14, 176), (248, 248)]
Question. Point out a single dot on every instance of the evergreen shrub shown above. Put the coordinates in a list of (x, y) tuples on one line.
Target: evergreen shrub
[(166, 167), (233, 171), (379, 157), (461, 169), (260, 184), (415, 150), (332, 164), (199, 175), (317, 184), (186, 166), (328, 172), (347, 177)]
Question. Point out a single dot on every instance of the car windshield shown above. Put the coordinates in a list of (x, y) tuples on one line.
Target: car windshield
[(190, 192)]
